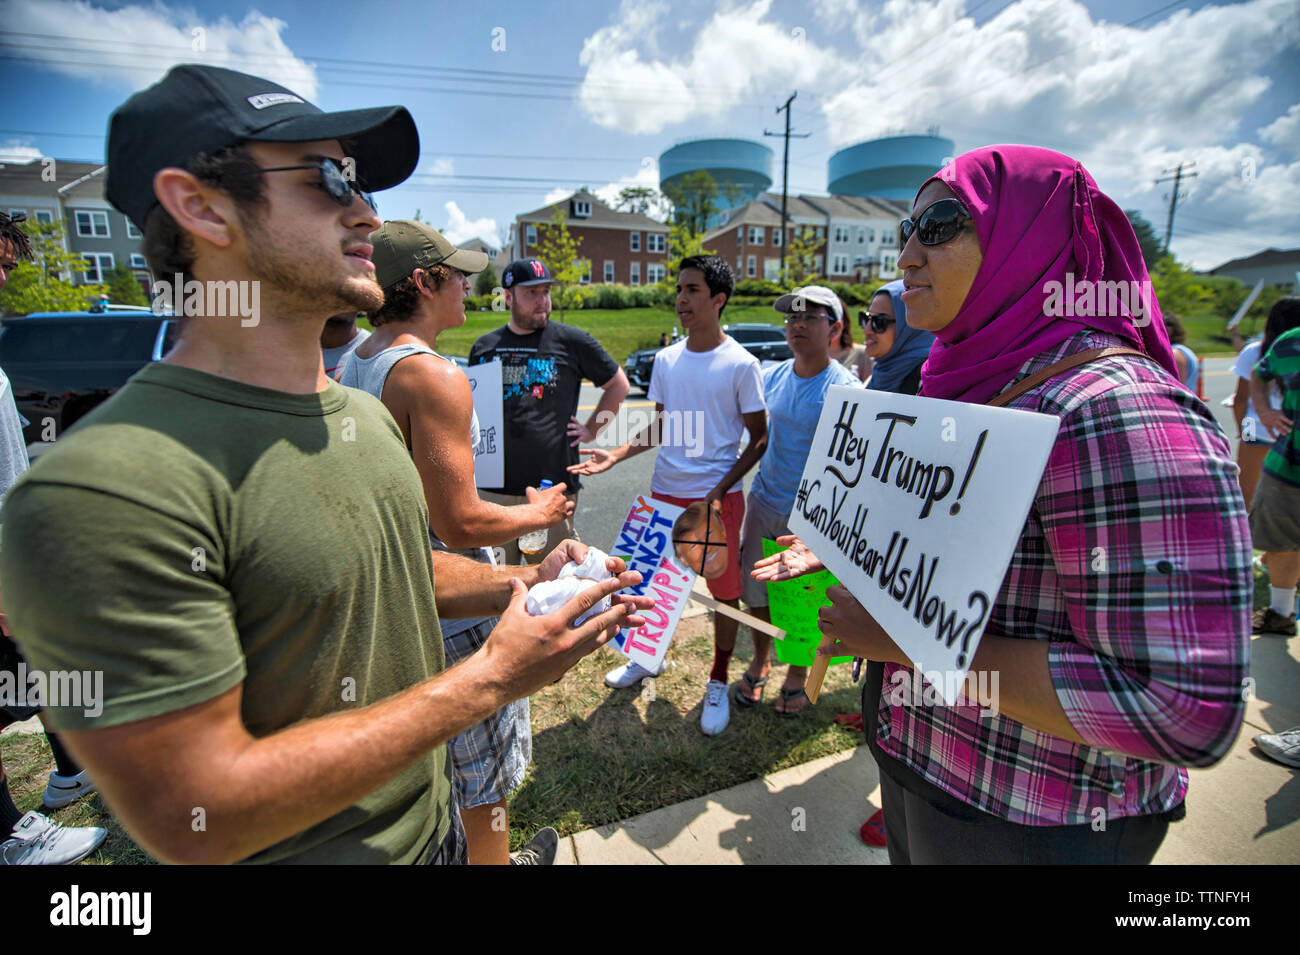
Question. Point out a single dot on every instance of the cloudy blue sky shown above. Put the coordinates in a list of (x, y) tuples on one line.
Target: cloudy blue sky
[(520, 102)]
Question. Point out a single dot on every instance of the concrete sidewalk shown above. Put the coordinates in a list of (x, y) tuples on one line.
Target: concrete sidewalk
[(1244, 810)]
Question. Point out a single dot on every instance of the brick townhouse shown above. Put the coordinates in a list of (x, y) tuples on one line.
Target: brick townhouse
[(617, 247)]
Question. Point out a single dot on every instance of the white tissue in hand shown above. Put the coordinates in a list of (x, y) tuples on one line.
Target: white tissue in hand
[(551, 595)]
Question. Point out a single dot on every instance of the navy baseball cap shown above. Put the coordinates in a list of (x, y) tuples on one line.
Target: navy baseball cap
[(526, 272), (204, 109)]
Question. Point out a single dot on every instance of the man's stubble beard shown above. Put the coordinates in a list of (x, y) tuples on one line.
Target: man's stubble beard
[(291, 279)]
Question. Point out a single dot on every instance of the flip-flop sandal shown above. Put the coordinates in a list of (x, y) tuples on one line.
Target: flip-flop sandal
[(873, 830), (751, 684), (852, 721), (787, 696)]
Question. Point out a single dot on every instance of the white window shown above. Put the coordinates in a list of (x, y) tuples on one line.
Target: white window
[(657, 242), (888, 264), (636, 242), (655, 273), (871, 235), (776, 238), (584, 271), (756, 235), (132, 232), (609, 271), (14, 213), (839, 265), (817, 264), (841, 234), (886, 238), (862, 236), (581, 208), (530, 236), (93, 225), (44, 215), (821, 233), (859, 261), (138, 262), (101, 263), (751, 267), (771, 269), (636, 273)]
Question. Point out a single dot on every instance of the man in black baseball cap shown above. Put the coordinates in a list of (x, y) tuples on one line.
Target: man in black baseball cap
[(238, 544)]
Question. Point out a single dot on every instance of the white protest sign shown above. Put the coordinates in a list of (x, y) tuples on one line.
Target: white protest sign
[(490, 455), (916, 505), (646, 543)]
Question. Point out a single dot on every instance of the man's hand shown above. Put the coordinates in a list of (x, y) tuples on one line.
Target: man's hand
[(601, 460), (1276, 422), (795, 561), (856, 630), (524, 654), (580, 433), (551, 504)]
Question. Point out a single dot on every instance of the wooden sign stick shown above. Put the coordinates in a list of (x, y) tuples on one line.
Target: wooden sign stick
[(820, 664), (762, 626)]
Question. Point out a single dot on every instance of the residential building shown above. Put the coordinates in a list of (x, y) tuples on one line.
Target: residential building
[(627, 248), (1280, 267)]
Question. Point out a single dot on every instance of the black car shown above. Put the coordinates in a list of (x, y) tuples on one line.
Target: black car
[(62, 364), (764, 342)]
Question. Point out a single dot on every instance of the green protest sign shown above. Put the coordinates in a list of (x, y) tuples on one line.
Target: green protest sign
[(794, 605)]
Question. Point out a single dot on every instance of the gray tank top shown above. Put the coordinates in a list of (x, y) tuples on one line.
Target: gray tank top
[(369, 374)]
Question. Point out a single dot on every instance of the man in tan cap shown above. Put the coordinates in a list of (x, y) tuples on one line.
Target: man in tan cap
[(425, 280)]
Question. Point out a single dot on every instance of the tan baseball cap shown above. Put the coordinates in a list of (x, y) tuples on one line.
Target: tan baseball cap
[(402, 246)]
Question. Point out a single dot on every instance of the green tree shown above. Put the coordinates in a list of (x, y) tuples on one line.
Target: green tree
[(558, 248), (123, 289), (1180, 290), (800, 257), (44, 284), (639, 199), (1147, 238), (695, 200), (486, 281)]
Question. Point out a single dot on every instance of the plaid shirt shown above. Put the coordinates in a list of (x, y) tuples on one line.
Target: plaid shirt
[(1135, 562)]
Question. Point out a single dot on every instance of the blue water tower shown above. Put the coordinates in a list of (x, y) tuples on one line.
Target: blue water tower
[(890, 168), (741, 165)]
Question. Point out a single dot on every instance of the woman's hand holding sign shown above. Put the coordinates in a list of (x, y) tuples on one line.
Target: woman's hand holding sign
[(856, 632)]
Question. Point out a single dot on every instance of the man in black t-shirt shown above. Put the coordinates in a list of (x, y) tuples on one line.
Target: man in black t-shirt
[(542, 368)]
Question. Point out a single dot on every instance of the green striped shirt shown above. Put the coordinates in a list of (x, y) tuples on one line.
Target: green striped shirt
[(1282, 364)]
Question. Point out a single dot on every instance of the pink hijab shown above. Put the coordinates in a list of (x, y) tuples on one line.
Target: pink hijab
[(1040, 218)]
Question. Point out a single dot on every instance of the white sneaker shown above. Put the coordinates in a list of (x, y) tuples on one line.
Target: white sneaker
[(39, 840), (629, 674), (717, 709), (65, 789), (1283, 747)]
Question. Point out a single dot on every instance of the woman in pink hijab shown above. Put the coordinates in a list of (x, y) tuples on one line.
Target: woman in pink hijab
[(1120, 636)]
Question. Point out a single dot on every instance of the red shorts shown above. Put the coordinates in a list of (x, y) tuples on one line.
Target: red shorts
[(728, 586)]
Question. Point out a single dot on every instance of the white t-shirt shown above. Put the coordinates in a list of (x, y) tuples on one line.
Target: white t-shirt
[(705, 396), (1246, 361)]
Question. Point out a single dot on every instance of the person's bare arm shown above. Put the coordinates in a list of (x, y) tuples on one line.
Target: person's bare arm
[(602, 460), (1274, 421), (756, 424), (613, 393), (432, 403), (1240, 401), (156, 773)]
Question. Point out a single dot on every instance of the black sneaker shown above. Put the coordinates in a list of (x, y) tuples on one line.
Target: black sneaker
[(540, 851), (1269, 620)]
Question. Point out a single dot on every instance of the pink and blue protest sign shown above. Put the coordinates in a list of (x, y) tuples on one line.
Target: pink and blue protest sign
[(646, 543)]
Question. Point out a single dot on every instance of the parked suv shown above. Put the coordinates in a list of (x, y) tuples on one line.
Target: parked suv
[(764, 342), (62, 364)]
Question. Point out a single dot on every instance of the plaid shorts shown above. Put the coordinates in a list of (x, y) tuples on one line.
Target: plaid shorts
[(489, 758)]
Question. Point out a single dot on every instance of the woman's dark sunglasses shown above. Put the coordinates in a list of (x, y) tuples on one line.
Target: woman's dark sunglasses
[(337, 186), (940, 222), (877, 322)]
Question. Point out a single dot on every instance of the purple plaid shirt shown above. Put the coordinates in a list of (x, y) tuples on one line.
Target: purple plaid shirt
[(1135, 562)]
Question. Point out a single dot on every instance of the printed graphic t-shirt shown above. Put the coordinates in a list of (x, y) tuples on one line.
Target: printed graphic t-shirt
[(194, 533), (1282, 364), (705, 395), (540, 377)]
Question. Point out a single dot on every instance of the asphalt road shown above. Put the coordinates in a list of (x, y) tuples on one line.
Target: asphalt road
[(606, 497)]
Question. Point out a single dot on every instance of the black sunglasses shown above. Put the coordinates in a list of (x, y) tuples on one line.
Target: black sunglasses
[(878, 322), (337, 186), (940, 222)]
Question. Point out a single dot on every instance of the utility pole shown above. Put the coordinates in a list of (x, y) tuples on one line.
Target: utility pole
[(1178, 177), (785, 172)]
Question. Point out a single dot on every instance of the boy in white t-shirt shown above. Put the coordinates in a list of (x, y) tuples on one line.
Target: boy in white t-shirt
[(709, 390)]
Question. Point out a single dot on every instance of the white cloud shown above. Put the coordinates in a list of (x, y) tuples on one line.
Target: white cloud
[(17, 153), (558, 193), (736, 55), (1284, 132), (460, 229), (133, 46), (647, 175), (442, 166)]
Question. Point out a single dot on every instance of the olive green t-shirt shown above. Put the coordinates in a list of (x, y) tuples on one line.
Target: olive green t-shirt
[(194, 533)]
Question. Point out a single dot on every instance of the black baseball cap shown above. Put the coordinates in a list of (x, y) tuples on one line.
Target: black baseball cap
[(204, 109), (526, 272)]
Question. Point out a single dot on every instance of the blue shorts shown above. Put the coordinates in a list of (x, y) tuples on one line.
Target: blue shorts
[(490, 758)]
